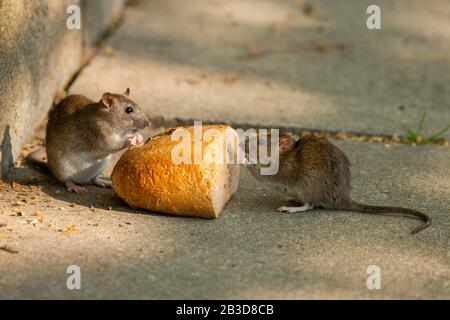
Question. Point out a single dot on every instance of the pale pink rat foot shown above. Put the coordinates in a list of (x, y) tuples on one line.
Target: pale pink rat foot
[(136, 140), (303, 208), (99, 182), (72, 187)]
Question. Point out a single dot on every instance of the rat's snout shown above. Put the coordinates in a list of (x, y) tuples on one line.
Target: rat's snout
[(143, 123)]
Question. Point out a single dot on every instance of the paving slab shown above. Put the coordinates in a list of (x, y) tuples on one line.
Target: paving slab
[(249, 252), (282, 63)]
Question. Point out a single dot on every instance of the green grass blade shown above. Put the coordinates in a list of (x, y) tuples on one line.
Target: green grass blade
[(438, 134), (421, 122)]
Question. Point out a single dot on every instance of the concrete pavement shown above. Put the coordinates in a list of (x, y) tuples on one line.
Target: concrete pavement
[(249, 252), (323, 70), (319, 69)]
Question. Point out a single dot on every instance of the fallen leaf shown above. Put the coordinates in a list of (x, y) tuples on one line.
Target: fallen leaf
[(18, 212), (33, 222), (68, 229), (192, 81), (107, 206), (30, 178), (9, 248), (255, 51), (308, 9), (229, 79), (323, 47), (110, 51), (39, 216)]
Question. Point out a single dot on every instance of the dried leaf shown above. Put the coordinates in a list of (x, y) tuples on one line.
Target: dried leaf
[(308, 9), (33, 222), (9, 248), (39, 216), (323, 47), (18, 212), (229, 79), (110, 51), (192, 81), (68, 229)]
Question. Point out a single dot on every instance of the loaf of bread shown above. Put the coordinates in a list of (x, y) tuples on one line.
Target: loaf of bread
[(163, 175)]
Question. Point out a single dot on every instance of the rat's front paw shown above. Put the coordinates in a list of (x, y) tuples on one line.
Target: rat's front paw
[(136, 140), (72, 187)]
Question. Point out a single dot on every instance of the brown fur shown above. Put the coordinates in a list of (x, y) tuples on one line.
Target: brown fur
[(316, 172), (79, 128)]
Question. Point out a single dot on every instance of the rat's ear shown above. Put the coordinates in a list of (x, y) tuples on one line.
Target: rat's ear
[(107, 99), (286, 141), (127, 92)]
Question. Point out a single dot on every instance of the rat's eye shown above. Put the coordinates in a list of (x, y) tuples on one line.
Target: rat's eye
[(129, 110)]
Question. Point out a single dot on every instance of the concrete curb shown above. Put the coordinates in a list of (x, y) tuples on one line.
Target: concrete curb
[(38, 57)]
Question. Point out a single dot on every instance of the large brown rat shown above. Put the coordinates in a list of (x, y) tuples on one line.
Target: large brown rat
[(314, 172), (82, 134)]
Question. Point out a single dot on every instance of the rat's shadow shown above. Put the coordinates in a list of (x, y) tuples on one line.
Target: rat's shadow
[(107, 199), (95, 197), (7, 159)]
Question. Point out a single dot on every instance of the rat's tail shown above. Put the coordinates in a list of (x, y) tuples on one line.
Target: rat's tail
[(38, 158), (364, 208)]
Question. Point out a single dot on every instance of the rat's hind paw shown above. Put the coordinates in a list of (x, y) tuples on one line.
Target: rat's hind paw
[(99, 182), (72, 187), (303, 208)]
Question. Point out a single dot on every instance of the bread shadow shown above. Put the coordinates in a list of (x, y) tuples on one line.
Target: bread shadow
[(95, 197), (246, 198)]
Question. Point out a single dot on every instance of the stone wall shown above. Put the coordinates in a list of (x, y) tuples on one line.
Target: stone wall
[(98, 16), (38, 57)]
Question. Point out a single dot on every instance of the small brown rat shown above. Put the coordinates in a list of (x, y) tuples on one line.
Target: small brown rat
[(315, 173), (82, 134)]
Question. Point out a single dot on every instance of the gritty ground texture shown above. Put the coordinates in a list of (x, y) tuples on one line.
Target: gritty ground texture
[(250, 251), (269, 63), (261, 63)]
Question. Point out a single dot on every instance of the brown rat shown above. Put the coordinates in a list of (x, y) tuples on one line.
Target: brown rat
[(82, 134), (316, 173)]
